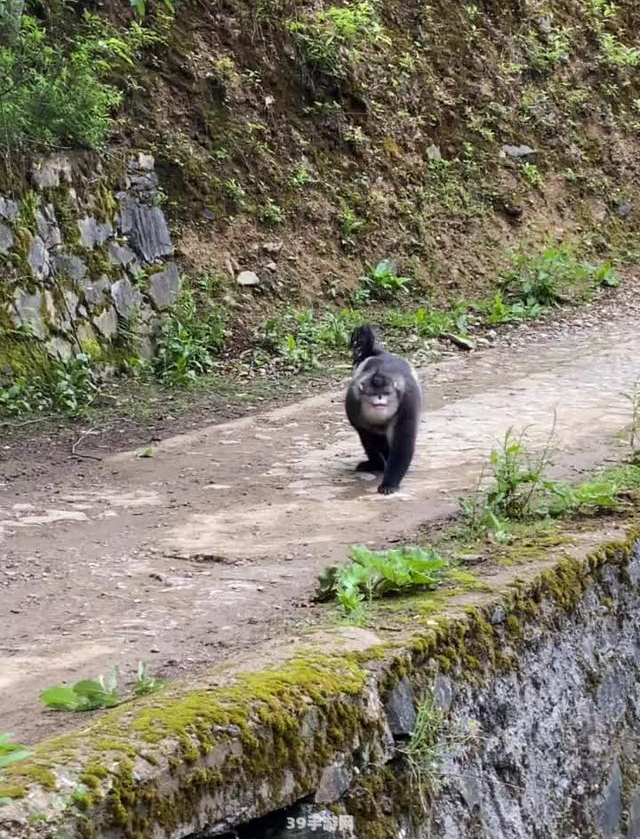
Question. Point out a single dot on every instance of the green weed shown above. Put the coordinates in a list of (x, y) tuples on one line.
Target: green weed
[(300, 336), (11, 752), (383, 282), (522, 491), (552, 277), (190, 338), (270, 213), (66, 385), (531, 174), (332, 39), (144, 683), (375, 574), (618, 54), (497, 310), (94, 694)]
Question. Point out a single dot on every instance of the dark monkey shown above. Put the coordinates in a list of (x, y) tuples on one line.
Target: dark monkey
[(383, 403)]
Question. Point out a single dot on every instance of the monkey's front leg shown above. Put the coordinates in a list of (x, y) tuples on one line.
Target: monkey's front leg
[(400, 456), (377, 450)]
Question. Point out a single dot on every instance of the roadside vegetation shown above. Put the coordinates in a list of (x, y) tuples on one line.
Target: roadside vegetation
[(195, 340)]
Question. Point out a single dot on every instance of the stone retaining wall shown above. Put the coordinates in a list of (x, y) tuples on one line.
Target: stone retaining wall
[(85, 257), (526, 700)]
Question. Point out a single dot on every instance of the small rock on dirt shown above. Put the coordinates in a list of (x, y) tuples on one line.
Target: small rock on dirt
[(517, 152), (248, 278)]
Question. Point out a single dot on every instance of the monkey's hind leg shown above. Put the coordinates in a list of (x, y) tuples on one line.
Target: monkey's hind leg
[(377, 451)]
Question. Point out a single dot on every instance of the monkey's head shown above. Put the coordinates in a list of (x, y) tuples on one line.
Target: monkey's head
[(379, 397)]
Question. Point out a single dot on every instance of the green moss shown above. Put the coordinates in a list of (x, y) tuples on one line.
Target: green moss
[(12, 791)]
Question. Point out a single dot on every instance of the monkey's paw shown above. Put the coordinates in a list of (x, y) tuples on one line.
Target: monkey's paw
[(385, 489)]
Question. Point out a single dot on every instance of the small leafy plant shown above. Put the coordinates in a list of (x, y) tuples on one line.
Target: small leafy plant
[(95, 694), (11, 752), (521, 490), (85, 695), (375, 574), (384, 282), (146, 684), (332, 39), (300, 336)]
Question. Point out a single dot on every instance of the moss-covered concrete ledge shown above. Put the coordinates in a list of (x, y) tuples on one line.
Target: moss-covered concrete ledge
[(537, 682)]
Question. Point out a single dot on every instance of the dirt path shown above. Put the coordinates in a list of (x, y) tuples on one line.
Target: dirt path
[(215, 542)]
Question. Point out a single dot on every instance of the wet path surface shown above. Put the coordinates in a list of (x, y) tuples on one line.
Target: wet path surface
[(215, 542)]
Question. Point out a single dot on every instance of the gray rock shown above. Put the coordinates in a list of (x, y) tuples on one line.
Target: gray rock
[(273, 248), (164, 287), (144, 162), (70, 266), (434, 153), (144, 181), (50, 172), (146, 228), (126, 298), (93, 232), (59, 347), (623, 208), (107, 322), (611, 807), (8, 208), (120, 254), (247, 278), (85, 333), (38, 258), (95, 293), (517, 152), (400, 709), (6, 239), (334, 782), (47, 227), (28, 312)]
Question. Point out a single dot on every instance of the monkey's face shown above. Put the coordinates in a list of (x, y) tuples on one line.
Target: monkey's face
[(378, 398)]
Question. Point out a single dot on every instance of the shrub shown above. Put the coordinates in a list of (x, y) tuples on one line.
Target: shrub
[(61, 92)]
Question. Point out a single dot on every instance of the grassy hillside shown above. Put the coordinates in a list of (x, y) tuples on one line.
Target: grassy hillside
[(310, 142), (368, 130)]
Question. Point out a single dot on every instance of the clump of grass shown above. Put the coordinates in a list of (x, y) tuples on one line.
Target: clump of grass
[(431, 741), (301, 336), (375, 574)]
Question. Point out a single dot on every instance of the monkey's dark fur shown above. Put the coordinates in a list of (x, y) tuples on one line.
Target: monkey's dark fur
[(384, 403)]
